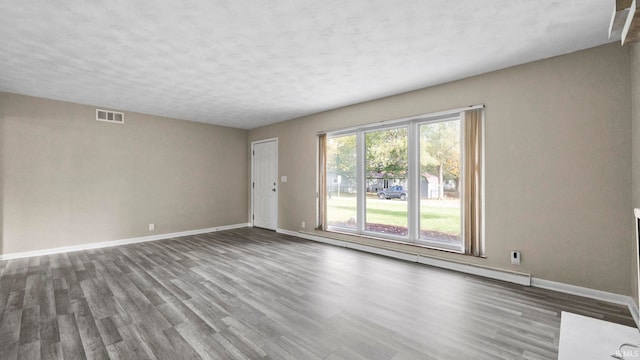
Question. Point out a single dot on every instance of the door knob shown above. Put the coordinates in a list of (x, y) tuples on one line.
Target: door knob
[(273, 190)]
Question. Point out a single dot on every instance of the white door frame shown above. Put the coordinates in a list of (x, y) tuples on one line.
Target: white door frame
[(251, 189)]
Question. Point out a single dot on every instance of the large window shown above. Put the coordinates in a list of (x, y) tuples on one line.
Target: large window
[(440, 207), (386, 170), (416, 181), (342, 182)]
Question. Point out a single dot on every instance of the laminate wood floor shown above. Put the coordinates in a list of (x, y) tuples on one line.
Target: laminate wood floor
[(255, 294)]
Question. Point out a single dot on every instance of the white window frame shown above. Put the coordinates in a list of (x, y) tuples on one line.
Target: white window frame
[(413, 177)]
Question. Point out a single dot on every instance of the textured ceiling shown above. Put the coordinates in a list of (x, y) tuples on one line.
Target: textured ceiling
[(247, 63)]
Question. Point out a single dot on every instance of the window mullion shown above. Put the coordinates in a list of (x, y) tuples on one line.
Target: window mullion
[(413, 179), (362, 186), (461, 186)]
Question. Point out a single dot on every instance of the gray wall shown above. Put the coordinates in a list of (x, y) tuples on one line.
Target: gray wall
[(2, 151), (558, 160), (71, 180), (635, 167)]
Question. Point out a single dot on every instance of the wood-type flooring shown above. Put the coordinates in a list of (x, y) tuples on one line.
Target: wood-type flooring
[(255, 294)]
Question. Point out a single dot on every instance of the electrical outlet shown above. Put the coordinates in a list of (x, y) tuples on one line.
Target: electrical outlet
[(152, 227), (515, 257), (303, 224)]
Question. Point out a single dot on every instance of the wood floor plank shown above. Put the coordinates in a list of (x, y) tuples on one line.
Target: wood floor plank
[(51, 352), (29, 351), (179, 346), (10, 333), (49, 332), (256, 294), (108, 331), (70, 338), (15, 301), (156, 340), (243, 344), (30, 325), (88, 331), (200, 343), (133, 346)]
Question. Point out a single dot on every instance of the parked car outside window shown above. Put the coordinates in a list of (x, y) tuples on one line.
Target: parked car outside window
[(394, 192)]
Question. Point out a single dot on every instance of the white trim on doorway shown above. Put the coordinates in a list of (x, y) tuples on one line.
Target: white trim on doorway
[(251, 185)]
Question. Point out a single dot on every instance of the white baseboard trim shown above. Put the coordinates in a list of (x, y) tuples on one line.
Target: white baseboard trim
[(580, 291), (136, 240), (589, 293), (513, 277), (383, 252), (313, 237), (497, 274), (633, 309)]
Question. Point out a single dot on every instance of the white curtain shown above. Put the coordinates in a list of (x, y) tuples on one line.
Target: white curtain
[(322, 183), (472, 204)]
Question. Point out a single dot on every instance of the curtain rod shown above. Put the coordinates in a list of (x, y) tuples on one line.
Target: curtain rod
[(414, 117)]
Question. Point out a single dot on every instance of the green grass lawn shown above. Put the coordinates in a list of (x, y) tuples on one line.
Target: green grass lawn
[(436, 215)]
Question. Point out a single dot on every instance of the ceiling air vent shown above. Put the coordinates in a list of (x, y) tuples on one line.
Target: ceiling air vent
[(110, 116)]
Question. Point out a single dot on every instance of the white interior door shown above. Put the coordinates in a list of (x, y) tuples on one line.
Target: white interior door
[(265, 184)]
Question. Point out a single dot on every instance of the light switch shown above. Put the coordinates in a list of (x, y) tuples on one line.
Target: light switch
[(283, 179)]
